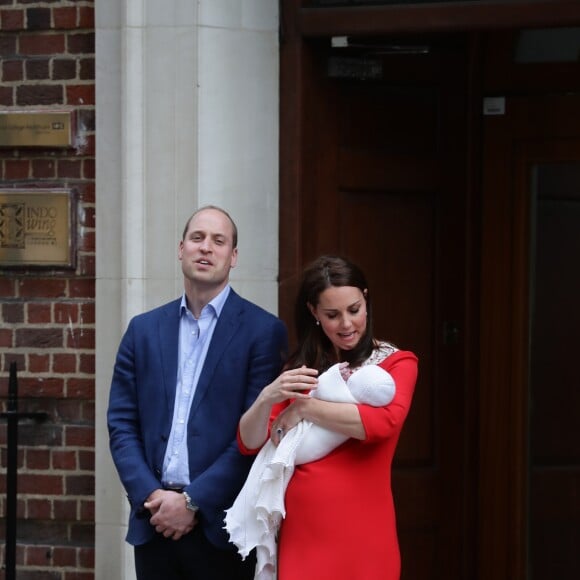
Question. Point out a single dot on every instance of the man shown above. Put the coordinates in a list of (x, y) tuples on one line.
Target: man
[(185, 372)]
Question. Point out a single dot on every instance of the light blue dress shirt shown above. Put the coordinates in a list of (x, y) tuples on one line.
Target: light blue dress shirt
[(194, 340)]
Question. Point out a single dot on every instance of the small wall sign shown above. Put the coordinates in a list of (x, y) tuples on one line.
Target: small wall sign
[(36, 128), (36, 228)]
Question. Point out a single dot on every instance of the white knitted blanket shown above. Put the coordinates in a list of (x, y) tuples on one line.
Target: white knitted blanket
[(254, 518)]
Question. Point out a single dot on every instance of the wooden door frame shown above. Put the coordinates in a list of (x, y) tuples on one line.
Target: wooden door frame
[(500, 556)]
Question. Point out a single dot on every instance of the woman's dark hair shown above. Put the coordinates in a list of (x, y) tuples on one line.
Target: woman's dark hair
[(315, 349)]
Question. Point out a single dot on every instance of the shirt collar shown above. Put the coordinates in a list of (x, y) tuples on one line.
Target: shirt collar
[(216, 303)]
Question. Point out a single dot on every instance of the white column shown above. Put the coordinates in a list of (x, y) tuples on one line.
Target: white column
[(187, 114)]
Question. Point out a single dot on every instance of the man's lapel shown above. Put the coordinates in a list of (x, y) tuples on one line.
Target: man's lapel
[(169, 349)]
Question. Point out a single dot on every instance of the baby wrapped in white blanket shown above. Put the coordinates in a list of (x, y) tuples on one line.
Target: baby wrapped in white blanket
[(255, 516)]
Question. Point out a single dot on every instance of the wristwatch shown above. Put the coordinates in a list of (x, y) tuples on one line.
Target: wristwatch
[(189, 504)]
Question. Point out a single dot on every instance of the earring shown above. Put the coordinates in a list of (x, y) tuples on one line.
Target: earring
[(317, 322)]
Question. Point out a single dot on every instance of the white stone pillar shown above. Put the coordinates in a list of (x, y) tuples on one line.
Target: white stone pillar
[(187, 114)]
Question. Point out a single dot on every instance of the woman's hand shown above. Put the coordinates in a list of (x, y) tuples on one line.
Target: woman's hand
[(291, 384), (288, 419)]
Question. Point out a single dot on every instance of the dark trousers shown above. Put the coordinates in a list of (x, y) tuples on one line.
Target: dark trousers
[(192, 557)]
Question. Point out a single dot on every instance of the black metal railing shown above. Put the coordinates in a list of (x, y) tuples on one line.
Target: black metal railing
[(13, 416)]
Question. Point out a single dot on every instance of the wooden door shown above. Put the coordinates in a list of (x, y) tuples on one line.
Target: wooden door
[(530, 432), (382, 180)]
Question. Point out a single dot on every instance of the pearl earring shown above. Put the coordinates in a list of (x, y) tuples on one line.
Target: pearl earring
[(317, 322)]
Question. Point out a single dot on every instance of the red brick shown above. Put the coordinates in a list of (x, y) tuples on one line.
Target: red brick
[(80, 388), (66, 313), (13, 313), (39, 95), (80, 95), (37, 555), (89, 168), (86, 557), (87, 69), (38, 18), (17, 169), (80, 485), (86, 17), (45, 288), (65, 509), (37, 69), (40, 484), (65, 17), (38, 509), (6, 287), (86, 459), (12, 70), (82, 288), (64, 69), (80, 338), (39, 337), (6, 96), (89, 412), (39, 313), (21, 508), (87, 514), (41, 387), (87, 364), (38, 44), (83, 43), (12, 19), (64, 556), (37, 459), (69, 410), (38, 363), (8, 45), (69, 168), (64, 459), (79, 436), (43, 168), (6, 338), (64, 363)]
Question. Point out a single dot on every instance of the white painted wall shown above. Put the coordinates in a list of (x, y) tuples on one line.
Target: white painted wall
[(187, 114)]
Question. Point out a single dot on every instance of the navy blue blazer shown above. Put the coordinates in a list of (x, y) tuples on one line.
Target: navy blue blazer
[(247, 351)]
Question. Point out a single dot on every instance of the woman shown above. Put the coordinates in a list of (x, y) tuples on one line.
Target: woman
[(340, 517)]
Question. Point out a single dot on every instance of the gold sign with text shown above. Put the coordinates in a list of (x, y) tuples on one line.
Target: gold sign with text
[(36, 129), (36, 228)]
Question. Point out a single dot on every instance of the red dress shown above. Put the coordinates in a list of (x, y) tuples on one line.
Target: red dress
[(340, 518)]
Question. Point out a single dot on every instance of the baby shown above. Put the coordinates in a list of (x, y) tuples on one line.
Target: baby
[(254, 518)]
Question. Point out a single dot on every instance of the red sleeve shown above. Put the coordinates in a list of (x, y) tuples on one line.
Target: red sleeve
[(276, 410), (383, 422)]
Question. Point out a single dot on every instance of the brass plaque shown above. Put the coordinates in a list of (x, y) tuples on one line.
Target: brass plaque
[(36, 228), (36, 128)]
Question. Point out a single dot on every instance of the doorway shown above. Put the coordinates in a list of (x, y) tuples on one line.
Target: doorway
[(386, 157), (384, 181)]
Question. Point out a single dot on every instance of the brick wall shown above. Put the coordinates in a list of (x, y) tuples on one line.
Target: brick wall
[(47, 317)]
